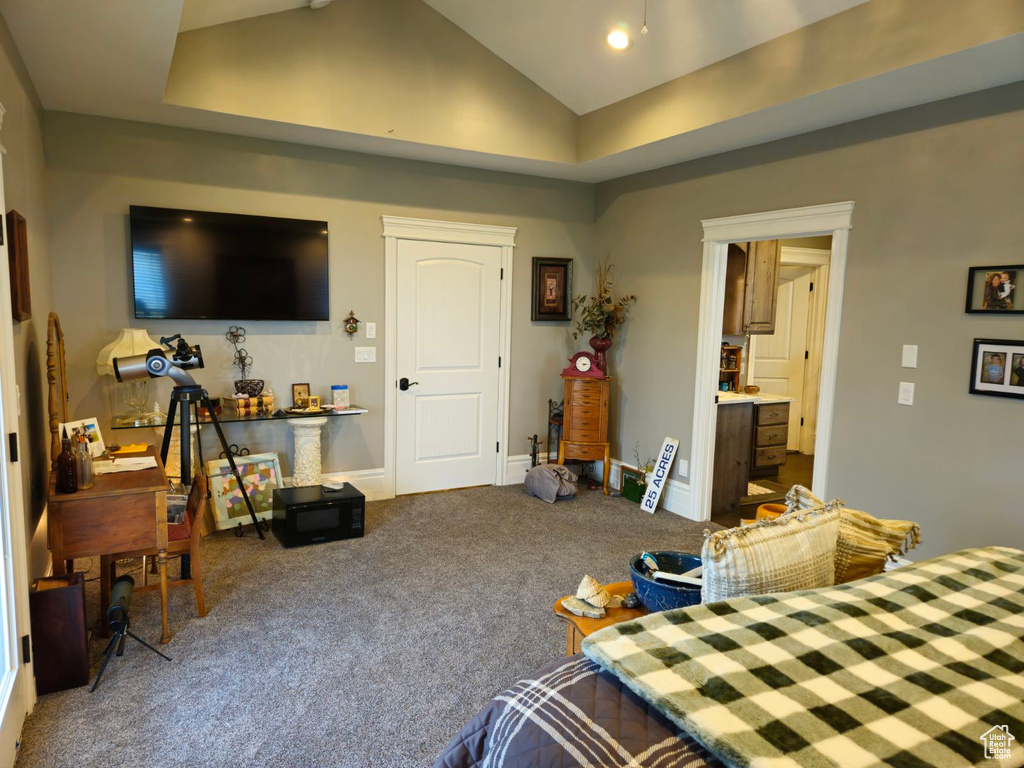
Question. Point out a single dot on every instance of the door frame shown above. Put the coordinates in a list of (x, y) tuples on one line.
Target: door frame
[(817, 259), (403, 228), (830, 219), (13, 536)]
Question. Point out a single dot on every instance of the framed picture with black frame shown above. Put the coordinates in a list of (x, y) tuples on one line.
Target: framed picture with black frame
[(552, 289), (993, 290), (997, 368)]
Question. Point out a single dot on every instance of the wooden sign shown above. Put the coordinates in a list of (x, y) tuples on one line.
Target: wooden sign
[(657, 478)]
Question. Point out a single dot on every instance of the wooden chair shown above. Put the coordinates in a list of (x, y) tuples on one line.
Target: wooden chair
[(182, 539)]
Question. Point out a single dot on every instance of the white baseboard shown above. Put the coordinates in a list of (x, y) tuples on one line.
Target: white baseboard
[(370, 482), (518, 466), (675, 498)]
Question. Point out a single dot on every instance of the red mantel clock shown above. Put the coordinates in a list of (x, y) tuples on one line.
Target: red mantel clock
[(585, 365)]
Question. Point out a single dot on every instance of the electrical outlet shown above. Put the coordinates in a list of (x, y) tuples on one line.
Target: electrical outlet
[(906, 396), (682, 467), (366, 354), (371, 330), (910, 355)]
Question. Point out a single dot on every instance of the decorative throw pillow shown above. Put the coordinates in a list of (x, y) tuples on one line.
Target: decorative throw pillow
[(865, 542), (795, 551)]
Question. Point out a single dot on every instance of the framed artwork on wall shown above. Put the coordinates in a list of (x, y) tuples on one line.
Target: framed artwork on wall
[(17, 257), (552, 289), (261, 474), (997, 368), (993, 290)]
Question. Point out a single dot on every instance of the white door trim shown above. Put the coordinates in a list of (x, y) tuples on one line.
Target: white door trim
[(13, 537), (401, 228), (832, 219)]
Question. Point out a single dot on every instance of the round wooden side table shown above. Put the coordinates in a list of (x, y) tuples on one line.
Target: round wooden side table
[(578, 627)]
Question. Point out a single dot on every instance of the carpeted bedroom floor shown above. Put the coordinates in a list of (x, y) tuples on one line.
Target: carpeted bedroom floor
[(369, 652)]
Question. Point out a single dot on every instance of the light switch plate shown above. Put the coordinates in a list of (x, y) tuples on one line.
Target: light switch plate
[(366, 354), (906, 396), (371, 330), (682, 467), (910, 355)]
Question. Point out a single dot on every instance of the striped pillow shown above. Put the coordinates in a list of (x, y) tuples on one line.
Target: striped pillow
[(865, 542), (795, 551)]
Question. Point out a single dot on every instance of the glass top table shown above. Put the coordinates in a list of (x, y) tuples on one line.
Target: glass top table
[(225, 418)]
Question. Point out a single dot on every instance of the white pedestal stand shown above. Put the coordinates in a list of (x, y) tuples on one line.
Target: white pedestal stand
[(306, 466), (173, 464)]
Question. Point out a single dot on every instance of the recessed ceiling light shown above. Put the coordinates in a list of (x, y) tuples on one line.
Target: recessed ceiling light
[(314, 4), (187, 218), (618, 39)]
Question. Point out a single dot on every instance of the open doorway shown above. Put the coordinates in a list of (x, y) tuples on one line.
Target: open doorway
[(730, 425), (786, 364)]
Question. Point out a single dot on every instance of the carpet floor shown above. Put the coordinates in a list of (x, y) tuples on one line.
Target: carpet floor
[(368, 652)]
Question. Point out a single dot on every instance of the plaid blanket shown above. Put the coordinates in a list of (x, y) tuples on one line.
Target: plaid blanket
[(572, 714), (921, 666)]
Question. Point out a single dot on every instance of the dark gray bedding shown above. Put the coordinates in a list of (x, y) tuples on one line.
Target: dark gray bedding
[(572, 713)]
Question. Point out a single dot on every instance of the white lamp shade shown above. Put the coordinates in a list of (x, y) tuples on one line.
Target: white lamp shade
[(131, 341)]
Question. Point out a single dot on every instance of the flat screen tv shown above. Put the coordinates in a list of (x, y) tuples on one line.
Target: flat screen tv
[(227, 266)]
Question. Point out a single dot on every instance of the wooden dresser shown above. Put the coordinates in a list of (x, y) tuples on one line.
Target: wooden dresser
[(771, 433), (585, 427)]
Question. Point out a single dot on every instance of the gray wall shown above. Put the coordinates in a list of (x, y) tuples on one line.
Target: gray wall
[(98, 167), (24, 191), (937, 188)]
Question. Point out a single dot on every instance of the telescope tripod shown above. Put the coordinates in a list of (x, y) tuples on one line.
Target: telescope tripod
[(192, 396), (121, 633)]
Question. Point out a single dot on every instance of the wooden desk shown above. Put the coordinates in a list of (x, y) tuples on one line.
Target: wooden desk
[(578, 627), (120, 513)]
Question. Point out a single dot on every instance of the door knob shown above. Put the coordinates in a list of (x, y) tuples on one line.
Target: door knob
[(404, 383)]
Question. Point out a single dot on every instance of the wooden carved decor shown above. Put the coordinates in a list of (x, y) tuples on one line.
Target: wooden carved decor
[(17, 257), (56, 377)]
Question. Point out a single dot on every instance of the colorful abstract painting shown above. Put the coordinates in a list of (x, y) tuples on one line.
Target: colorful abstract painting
[(261, 474)]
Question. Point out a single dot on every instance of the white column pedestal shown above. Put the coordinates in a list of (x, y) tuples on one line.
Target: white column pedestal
[(173, 465), (306, 465)]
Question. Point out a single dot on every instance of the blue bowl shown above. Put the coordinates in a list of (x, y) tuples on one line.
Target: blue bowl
[(662, 595)]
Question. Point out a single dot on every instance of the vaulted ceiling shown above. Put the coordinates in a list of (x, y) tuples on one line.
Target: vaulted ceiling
[(520, 85)]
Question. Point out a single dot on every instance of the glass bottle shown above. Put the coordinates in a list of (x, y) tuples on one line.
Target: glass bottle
[(86, 470), (67, 467)]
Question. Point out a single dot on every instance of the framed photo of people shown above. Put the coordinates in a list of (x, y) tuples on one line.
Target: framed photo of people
[(998, 368), (993, 290), (552, 289)]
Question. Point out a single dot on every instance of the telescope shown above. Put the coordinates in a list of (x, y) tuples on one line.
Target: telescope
[(175, 362), (156, 362)]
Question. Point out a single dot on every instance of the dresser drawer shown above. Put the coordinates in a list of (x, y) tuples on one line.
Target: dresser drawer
[(583, 452), (774, 434), (772, 413), (770, 457), (584, 433), (586, 397)]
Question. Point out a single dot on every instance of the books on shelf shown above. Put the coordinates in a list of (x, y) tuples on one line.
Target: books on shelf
[(262, 401)]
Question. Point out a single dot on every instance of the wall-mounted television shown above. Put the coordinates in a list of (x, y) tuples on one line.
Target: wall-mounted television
[(227, 266)]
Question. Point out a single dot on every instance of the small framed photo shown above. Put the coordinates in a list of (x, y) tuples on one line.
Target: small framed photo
[(313, 402), (997, 368), (88, 427), (993, 290), (300, 392), (552, 289)]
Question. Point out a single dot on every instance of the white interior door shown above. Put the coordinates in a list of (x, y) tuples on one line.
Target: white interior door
[(447, 347), (777, 361), (17, 687)]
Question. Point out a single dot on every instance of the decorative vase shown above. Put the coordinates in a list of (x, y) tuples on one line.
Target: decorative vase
[(600, 345), (249, 387)]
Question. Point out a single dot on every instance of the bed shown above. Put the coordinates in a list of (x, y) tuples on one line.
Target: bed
[(921, 666)]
